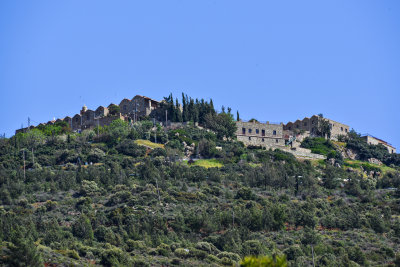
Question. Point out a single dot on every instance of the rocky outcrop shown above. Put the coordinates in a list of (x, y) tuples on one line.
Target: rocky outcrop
[(375, 161)]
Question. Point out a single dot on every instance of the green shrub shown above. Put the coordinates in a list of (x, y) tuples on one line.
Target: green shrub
[(133, 244), (163, 249), (252, 261), (230, 255), (253, 247), (181, 252)]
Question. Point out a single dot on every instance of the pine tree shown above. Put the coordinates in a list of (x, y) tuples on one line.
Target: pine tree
[(178, 111), (23, 253), (212, 109), (185, 115)]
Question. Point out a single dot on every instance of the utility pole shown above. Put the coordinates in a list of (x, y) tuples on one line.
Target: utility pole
[(233, 217), (23, 153), (158, 192), (312, 250)]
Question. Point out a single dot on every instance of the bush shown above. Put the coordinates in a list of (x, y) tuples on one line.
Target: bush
[(82, 228), (130, 148), (293, 252), (319, 145), (245, 193), (181, 252), (277, 261), (230, 255), (132, 245), (113, 257), (253, 247), (163, 249)]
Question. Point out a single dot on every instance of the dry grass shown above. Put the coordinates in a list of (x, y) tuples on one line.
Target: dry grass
[(148, 143)]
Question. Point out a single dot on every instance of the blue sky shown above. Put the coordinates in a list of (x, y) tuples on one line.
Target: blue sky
[(272, 60)]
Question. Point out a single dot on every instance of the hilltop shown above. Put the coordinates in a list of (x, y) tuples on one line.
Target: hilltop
[(187, 192)]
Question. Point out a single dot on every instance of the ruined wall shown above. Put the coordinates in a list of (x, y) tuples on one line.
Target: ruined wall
[(76, 122), (311, 125), (107, 120), (125, 106)]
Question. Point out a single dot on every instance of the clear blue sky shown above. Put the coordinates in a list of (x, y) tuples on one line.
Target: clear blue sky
[(272, 60)]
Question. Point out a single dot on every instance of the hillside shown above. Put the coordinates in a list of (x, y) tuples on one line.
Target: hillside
[(144, 195)]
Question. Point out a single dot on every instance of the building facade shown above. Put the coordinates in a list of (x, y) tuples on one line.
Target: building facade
[(376, 141), (260, 134)]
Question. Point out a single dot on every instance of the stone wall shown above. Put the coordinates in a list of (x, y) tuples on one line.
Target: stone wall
[(311, 125), (305, 153), (337, 129), (260, 134)]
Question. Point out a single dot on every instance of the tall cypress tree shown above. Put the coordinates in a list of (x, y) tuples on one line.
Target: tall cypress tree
[(178, 111)]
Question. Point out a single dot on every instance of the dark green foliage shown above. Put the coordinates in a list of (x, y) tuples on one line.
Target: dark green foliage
[(318, 145), (22, 252), (82, 228), (129, 148), (114, 109), (366, 151), (137, 206), (222, 124)]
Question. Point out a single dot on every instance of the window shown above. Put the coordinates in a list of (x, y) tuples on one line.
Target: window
[(341, 128), (88, 117), (274, 132), (392, 150), (297, 126), (257, 131), (263, 132), (243, 130), (263, 141), (345, 130), (290, 127), (249, 138), (276, 140), (249, 131), (305, 123), (77, 119), (124, 107)]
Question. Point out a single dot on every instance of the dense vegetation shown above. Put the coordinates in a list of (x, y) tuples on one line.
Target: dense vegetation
[(108, 197)]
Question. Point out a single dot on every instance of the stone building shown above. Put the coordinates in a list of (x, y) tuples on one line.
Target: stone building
[(260, 134), (76, 122), (88, 119), (101, 112), (143, 105), (376, 141), (310, 126)]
